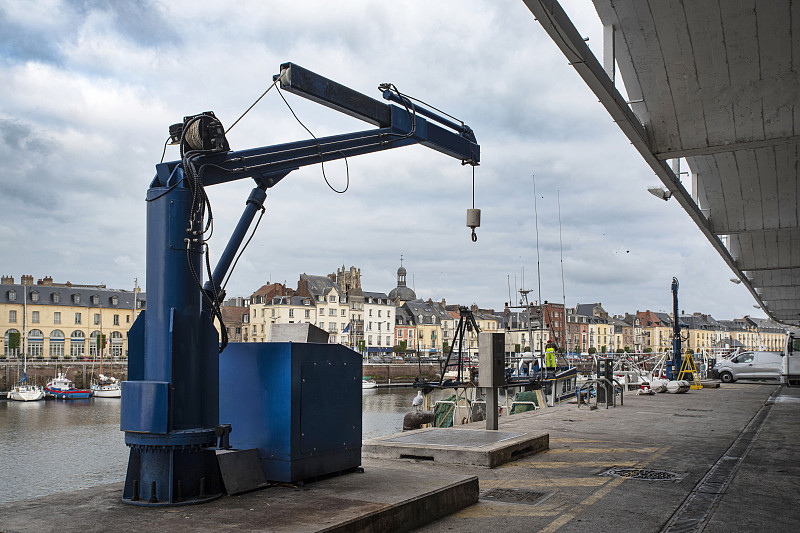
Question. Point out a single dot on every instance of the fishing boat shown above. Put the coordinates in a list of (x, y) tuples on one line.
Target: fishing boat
[(367, 383), (106, 387), (62, 388)]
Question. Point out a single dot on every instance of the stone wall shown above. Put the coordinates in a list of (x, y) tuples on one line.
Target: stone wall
[(399, 373), (40, 373)]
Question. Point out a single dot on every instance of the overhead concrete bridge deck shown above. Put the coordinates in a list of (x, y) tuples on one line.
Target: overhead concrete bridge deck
[(717, 85)]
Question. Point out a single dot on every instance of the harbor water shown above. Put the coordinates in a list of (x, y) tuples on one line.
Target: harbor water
[(56, 446)]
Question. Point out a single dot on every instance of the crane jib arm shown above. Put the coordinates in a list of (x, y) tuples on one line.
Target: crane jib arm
[(397, 127)]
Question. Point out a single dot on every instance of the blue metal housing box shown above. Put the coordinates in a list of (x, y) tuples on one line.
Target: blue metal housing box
[(299, 404)]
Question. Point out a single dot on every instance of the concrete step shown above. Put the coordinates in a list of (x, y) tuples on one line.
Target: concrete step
[(379, 499)]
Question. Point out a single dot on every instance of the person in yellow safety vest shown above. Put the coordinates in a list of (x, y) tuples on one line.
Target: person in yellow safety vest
[(550, 355)]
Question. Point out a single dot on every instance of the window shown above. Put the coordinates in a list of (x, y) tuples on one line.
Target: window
[(387, 341), (128, 319), (116, 343), (343, 312), (308, 313), (95, 299), (379, 313), (57, 317), (35, 343), (12, 295), (388, 314), (291, 313), (77, 318), (77, 344), (12, 316), (115, 300), (97, 319), (369, 339), (333, 299), (116, 320), (322, 325), (35, 297), (35, 317), (379, 325), (56, 297), (331, 312), (57, 343), (76, 298)]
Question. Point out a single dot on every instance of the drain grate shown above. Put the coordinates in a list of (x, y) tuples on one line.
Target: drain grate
[(523, 496), (642, 473)]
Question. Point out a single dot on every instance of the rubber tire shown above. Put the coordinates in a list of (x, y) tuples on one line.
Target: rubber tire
[(726, 377)]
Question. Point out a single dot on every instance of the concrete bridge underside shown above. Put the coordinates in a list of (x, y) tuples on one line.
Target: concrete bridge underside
[(717, 85)]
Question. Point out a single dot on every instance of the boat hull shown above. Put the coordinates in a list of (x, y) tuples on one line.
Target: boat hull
[(26, 394), (106, 392), (71, 394)]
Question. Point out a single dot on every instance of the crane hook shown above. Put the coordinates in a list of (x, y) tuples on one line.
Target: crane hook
[(474, 236)]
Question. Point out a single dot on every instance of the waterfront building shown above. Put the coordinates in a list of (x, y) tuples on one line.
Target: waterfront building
[(577, 332), (600, 331), (656, 331), (552, 317), (349, 281), (402, 293), (237, 320), (281, 310), (331, 304), (617, 334), (522, 336), (486, 319), (379, 323), (237, 301), (770, 336), (635, 341), (427, 320), (258, 312), (405, 333), (64, 320)]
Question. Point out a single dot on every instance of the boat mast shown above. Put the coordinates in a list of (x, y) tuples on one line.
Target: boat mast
[(538, 267), (24, 327), (563, 290)]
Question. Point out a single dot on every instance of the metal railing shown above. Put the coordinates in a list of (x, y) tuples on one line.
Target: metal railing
[(613, 383)]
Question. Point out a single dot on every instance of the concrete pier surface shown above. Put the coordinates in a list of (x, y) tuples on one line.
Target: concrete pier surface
[(709, 460)]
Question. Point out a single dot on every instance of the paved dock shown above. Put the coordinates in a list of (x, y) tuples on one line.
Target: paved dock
[(709, 460)]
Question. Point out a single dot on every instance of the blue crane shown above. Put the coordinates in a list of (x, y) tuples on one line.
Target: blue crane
[(170, 404)]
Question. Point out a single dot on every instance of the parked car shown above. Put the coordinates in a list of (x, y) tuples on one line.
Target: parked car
[(749, 365)]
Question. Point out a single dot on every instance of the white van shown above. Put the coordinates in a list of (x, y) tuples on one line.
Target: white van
[(749, 365)]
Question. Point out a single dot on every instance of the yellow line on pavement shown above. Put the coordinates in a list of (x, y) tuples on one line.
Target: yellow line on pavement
[(596, 496), (573, 440), (567, 464), (543, 484), (492, 510), (602, 450)]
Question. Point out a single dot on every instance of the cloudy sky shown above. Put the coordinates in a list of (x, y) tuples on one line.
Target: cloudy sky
[(90, 88)]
